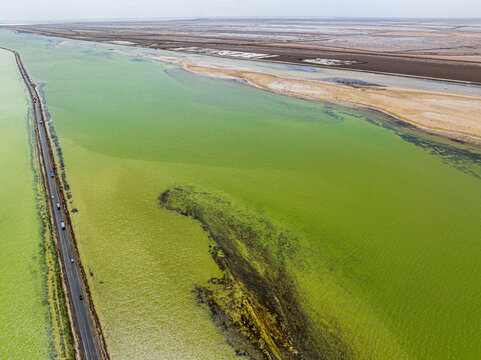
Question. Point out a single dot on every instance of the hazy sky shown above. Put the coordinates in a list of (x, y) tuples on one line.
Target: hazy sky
[(15, 10)]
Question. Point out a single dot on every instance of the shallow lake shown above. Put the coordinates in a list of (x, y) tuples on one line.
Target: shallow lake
[(389, 219)]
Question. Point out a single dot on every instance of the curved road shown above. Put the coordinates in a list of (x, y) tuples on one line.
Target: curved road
[(83, 322)]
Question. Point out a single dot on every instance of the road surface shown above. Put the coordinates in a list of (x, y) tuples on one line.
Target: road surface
[(83, 322)]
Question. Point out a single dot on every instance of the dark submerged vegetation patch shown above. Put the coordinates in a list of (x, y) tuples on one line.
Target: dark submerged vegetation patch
[(355, 83), (256, 302), (466, 159)]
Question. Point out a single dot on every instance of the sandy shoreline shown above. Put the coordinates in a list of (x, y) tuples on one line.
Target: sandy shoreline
[(451, 115)]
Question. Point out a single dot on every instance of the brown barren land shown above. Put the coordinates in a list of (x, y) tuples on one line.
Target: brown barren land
[(441, 49)]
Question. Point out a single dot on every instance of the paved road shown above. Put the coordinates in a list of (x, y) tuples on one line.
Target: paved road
[(83, 320)]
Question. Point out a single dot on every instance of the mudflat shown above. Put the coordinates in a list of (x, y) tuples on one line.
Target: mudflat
[(433, 48)]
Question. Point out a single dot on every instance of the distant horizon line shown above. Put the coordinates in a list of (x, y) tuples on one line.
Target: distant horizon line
[(174, 18)]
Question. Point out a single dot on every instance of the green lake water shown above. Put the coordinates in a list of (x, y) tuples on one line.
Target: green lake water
[(389, 220), (25, 331)]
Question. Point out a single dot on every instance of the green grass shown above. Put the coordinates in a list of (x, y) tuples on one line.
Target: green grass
[(389, 231)]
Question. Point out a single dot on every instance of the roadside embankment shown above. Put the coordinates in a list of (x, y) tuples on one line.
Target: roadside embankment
[(86, 331)]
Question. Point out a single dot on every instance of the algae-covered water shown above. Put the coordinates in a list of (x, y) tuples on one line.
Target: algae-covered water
[(25, 331), (388, 220)]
